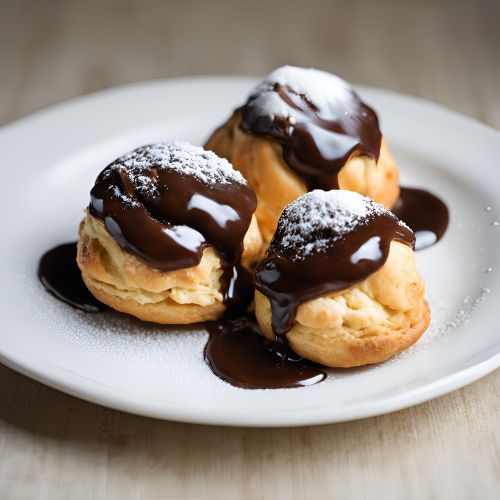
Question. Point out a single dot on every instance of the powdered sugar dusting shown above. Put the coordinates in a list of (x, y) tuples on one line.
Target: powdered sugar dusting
[(318, 87), (329, 215), (182, 157)]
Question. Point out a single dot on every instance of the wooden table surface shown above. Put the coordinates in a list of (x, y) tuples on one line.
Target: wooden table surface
[(55, 446)]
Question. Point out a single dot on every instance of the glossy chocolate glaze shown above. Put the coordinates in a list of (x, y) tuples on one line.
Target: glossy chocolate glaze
[(241, 357), (317, 143), (426, 215), (289, 279), (168, 216), (60, 275)]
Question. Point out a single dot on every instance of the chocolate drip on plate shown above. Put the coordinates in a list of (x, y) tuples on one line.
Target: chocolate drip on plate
[(426, 215), (60, 275), (317, 143), (241, 357)]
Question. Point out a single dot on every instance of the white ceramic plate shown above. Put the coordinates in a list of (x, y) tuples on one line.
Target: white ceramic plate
[(49, 161)]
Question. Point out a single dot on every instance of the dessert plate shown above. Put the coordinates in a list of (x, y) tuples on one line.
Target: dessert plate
[(49, 162)]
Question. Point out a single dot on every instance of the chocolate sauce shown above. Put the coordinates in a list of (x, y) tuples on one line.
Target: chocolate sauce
[(60, 275), (426, 215), (241, 357), (165, 212), (239, 290), (317, 143), (288, 278)]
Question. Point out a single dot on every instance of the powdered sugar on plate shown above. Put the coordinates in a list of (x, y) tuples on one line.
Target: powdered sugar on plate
[(314, 221), (318, 87), (166, 353)]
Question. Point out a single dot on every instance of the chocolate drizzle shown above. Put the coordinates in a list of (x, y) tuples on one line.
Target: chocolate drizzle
[(318, 139), (60, 275), (426, 215), (241, 357), (291, 274), (167, 203)]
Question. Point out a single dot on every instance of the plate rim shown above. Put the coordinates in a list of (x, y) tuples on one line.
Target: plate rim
[(395, 403)]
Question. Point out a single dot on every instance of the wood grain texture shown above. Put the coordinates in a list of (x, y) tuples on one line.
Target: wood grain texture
[(54, 446)]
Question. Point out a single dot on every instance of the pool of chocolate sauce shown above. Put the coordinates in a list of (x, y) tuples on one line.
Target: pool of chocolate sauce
[(424, 213), (243, 358), (60, 274)]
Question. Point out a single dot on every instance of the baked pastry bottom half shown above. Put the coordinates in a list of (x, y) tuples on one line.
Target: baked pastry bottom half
[(125, 283), (166, 311)]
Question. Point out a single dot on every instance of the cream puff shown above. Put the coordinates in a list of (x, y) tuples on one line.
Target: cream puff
[(304, 129), (167, 234), (339, 282)]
